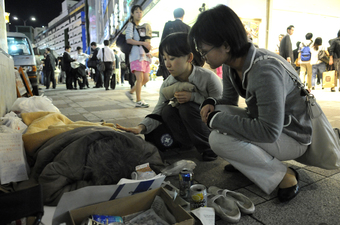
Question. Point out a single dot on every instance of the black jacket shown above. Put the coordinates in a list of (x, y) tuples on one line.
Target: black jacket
[(50, 62), (94, 54), (334, 50), (286, 48), (174, 26), (66, 62)]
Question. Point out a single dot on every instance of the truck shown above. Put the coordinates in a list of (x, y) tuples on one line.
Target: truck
[(21, 49)]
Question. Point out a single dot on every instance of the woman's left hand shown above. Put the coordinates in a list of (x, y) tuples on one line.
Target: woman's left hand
[(183, 96)]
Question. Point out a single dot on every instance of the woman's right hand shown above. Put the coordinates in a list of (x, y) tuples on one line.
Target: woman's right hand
[(205, 112), (135, 130)]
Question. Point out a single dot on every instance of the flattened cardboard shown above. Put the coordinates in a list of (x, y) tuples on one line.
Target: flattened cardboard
[(132, 204)]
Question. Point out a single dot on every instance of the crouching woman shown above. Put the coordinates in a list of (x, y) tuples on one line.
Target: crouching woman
[(187, 87), (275, 125)]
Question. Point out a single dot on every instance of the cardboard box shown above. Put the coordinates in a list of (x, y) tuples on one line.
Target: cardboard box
[(132, 204)]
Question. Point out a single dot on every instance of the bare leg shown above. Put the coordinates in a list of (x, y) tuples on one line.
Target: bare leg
[(141, 79)]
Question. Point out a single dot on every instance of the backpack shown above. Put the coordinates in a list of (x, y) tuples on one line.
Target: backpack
[(305, 52), (122, 44)]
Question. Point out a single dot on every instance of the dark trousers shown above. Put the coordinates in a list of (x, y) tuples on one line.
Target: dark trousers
[(81, 76), (69, 79), (186, 125), (50, 77), (99, 78), (75, 78), (107, 74), (122, 75)]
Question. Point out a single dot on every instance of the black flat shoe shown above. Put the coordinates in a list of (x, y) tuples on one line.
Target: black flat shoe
[(230, 168), (286, 194), (209, 155)]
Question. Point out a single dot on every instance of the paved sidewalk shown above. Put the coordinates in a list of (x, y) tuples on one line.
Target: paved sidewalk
[(318, 202)]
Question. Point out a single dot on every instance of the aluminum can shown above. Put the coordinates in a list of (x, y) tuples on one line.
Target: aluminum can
[(185, 182), (198, 196)]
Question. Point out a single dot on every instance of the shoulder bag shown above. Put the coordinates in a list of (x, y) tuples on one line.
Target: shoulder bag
[(122, 44), (324, 151), (101, 64), (322, 56)]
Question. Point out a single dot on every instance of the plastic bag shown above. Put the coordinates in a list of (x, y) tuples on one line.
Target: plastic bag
[(34, 104), (12, 121), (176, 168)]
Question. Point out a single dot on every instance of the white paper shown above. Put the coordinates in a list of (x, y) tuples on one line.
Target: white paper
[(95, 194), (205, 214), (12, 160)]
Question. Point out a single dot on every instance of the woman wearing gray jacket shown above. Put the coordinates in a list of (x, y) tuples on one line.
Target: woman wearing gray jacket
[(181, 95), (275, 125)]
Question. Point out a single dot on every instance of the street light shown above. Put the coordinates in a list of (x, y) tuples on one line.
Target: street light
[(16, 18)]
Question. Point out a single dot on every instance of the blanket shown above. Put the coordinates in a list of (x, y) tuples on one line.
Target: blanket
[(87, 156), (42, 126)]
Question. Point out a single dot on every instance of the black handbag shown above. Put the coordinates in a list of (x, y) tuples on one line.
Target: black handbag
[(322, 56), (161, 137), (101, 64), (92, 63)]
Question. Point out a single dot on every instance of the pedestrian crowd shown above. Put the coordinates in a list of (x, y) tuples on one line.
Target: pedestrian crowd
[(311, 59)]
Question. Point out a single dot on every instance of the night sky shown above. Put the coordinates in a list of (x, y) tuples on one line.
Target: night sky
[(43, 10)]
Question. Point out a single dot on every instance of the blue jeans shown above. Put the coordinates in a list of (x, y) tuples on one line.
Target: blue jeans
[(318, 69)]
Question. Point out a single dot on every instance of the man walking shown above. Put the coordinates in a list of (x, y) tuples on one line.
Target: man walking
[(97, 75), (49, 68), (108, 57), (171, 27), (286, 50), (334, 58), (305, 66), (117, 71), (66, 64)]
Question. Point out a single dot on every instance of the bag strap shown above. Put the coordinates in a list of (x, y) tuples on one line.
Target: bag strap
[(103, 54), (313, 112)]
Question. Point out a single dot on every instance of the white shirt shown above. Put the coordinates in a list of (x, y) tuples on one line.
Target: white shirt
[(81, 57), (109, 55)]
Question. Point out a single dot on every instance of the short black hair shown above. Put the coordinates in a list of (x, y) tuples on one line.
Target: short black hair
[(78, 48), (290, 27), (177, 45), (309, 36), (67, 47), (93, 44), (48, 49), (178, 13), (106, 42), (220, 26)]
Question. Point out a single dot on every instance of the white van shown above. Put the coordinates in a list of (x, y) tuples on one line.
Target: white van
[(21, 49)]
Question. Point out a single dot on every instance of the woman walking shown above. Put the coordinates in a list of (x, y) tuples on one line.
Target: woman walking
[(138, 58)]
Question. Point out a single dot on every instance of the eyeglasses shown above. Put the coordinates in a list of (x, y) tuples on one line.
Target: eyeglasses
[(203, 55)]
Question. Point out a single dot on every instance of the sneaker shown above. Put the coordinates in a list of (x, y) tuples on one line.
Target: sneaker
[(142, 104), (129, 95)]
